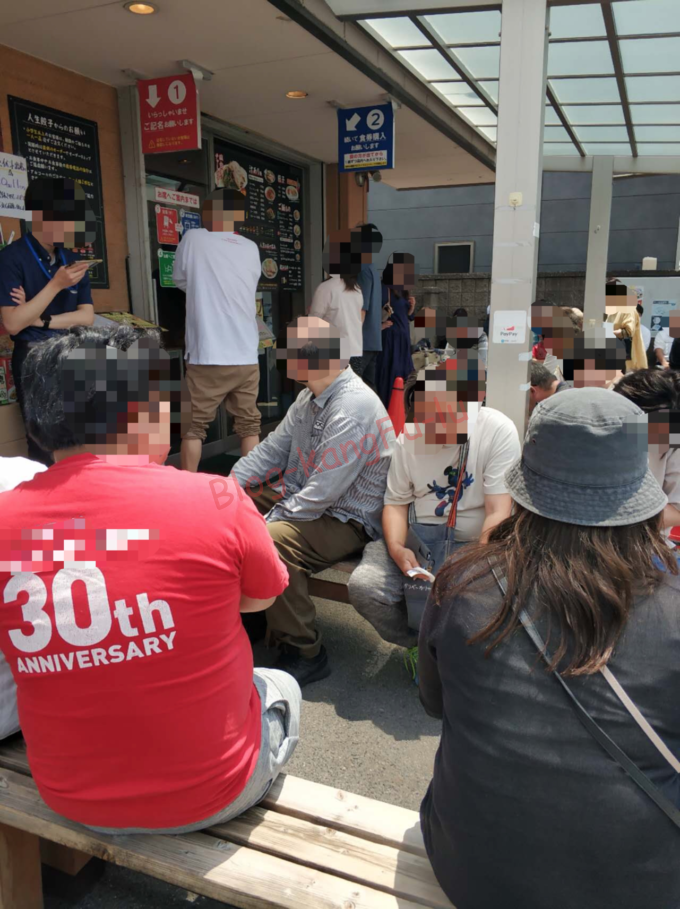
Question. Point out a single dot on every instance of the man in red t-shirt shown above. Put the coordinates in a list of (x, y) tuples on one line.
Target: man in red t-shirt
[(122, 586)]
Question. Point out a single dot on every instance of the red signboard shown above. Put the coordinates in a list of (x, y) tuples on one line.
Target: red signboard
[(170, 114), (167, 225)]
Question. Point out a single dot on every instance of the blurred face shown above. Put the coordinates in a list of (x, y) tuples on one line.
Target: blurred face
[(404, 275), (557, 329), (674, 324), (342, 255), (368, 240), (148, 430), (445, 397), (305, 369), (55, 233), (219, 218), (664, 429)]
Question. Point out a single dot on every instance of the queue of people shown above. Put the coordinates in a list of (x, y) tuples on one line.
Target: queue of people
[(535, 580)]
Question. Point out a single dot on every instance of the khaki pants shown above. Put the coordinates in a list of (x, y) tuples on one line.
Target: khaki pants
[(236, 387), (306, 547)]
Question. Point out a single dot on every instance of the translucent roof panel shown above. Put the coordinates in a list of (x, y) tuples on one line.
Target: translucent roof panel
[(489, 131), (483, 62), (657, 133), (601, 148), (551, 118), (653, 88), (646, 17), (458, 93), (580, 58), (576, 22), (397, 32), (429, 63), (480, 116), (491, 88), (466, 28), (555, 134), (655, 113), (594, 113), (574, 90), (645, 148), (602, 133), (651, 55), (559, 148)]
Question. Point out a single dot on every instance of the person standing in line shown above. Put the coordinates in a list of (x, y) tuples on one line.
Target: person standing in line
[(339, 300), (44, 287), (526, 809), (369, 281), (644, 331), (395, 360), (219, 270), (663, 339)]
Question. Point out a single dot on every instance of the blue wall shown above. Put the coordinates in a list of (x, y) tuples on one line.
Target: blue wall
[(645, 215)]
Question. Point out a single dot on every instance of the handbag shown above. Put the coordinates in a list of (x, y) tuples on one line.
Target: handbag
[(608, 744), (433, 551)]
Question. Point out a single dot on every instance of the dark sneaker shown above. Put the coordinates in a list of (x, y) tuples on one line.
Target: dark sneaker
[(304, 671)]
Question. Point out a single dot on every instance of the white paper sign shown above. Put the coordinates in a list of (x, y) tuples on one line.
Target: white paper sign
[(13, 183), (510, 327), (175, 198)]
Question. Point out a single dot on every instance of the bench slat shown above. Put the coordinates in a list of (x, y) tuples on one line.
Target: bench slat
[(373, 864), (354, 814), (197, 862)]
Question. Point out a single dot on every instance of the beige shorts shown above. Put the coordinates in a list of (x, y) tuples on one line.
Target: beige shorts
[(235, 386)]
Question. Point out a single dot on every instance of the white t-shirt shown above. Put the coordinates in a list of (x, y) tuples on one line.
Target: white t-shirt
[(219, 272), (342, 308), (646, 335), (428, 480), (12, 472), (663, 341)]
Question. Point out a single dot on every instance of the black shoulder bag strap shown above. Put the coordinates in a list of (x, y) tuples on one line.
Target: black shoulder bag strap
[(615, 753)]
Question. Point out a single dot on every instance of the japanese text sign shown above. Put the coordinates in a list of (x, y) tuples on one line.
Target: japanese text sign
[(167, 225), (169, 113), (166, 264), (175, 198), (366, 138), (190, 220), (13, 183)]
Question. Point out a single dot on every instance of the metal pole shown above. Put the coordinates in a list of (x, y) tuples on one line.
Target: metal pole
[(598, 239), (519, 173)]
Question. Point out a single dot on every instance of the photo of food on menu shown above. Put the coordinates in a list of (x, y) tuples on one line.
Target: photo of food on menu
[(274, 219)]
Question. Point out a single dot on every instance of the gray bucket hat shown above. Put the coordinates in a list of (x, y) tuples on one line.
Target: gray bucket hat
[(585, 461)]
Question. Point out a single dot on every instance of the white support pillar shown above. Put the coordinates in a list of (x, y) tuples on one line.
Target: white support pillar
[(519, 173), (598, 239)]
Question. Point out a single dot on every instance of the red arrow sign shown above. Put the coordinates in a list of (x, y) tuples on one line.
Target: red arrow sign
[(170, 114)]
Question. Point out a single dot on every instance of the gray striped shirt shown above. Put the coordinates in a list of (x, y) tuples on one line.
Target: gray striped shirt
[(332, 454)]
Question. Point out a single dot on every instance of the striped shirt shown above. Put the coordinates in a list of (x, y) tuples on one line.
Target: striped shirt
[(331, 453)]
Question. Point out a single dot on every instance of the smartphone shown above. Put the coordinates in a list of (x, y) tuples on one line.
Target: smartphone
[(90, 262), (420, 573)]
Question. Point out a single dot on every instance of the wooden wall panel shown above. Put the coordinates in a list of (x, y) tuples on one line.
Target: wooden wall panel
[(43, 83)]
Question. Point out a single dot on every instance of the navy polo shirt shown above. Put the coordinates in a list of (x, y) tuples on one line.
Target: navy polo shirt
[(19, 268)]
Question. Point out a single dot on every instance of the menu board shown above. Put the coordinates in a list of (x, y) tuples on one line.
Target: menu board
[(274, 213), (57, 144)]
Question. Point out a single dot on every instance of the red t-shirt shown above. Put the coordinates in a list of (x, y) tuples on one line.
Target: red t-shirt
[(120, 621), (538, 351)]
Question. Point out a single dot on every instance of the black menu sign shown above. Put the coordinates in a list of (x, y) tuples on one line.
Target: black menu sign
[(57, 144), (274, 220)]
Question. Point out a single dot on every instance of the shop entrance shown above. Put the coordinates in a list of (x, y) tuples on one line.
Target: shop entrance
[(176, 186)]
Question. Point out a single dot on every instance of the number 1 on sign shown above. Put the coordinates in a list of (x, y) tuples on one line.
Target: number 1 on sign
[(177, 92)]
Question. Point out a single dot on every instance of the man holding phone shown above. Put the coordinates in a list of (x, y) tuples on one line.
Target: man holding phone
[(44, 286)]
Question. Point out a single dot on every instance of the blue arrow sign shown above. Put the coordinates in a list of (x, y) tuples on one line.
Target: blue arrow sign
[(366, 138)]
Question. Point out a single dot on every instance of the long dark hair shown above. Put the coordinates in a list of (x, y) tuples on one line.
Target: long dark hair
[(351, 281), (583, 580)]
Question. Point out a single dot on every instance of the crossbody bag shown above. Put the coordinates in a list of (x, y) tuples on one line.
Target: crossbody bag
[(608, 744)]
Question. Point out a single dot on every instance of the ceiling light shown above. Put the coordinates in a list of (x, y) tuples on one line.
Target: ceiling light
[(184, 161), (296, 94), (141, 9)]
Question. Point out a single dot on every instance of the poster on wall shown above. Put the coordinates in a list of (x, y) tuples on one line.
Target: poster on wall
[(167, 225), (57, 144), (274, 213), (13, 184), (660, 312)]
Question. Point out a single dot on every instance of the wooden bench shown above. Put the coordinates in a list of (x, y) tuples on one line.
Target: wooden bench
[(333, 590), (307, 846)]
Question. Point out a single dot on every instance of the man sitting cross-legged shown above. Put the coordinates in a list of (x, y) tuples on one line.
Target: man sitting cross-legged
[(121, 587), (320, 479)]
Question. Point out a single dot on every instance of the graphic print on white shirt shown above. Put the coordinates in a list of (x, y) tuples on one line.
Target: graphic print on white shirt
[(427, 476)]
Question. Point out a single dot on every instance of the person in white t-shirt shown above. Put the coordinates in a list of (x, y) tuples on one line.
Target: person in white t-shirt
[(340, 300), (13, 471), (421, 486), (219, 270)]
